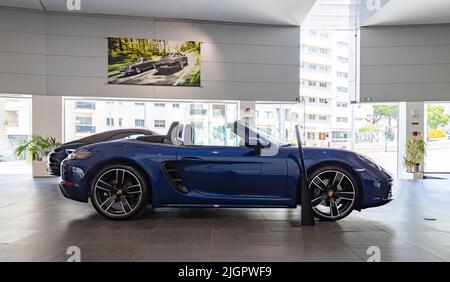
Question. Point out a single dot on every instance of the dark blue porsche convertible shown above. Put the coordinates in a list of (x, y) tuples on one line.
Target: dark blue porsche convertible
[(253, 169)]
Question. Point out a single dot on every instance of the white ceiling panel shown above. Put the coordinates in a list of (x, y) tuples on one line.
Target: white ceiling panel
[(274, 12), (411, 12)]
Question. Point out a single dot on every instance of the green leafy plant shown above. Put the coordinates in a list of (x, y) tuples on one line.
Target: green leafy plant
[(415, 153), (437, 117), (369, 128), (39, 147)]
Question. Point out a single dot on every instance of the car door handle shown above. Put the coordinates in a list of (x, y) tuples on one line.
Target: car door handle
[(191, 159)]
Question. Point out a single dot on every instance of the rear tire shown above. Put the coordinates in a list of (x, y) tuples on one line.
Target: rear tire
[(334, 192), (119, 192)]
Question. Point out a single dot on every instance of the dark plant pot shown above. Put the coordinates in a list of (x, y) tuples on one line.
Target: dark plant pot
[(417, 168)]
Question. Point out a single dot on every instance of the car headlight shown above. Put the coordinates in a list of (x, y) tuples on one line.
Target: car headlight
[(369, 161), (80, 154)]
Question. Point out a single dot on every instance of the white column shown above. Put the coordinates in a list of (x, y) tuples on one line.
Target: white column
[(401, 139), (47, 116), (411, 123)]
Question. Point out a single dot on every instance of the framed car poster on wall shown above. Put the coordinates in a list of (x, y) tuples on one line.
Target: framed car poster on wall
[(138, 61)]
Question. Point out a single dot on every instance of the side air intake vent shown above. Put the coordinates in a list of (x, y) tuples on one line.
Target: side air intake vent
[(172, 172)]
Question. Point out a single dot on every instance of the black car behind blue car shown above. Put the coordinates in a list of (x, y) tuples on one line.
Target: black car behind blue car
[(60, 153)]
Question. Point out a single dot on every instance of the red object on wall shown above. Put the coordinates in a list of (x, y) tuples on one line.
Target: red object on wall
[(415, 133)]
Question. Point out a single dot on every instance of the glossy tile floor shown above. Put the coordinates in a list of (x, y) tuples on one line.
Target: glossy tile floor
[(38, 224)]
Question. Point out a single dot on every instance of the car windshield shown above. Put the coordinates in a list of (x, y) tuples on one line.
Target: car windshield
[(246, 131)]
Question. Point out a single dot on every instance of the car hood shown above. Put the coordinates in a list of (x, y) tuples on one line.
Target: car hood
[(314, 155), (311, 152), (69, 145), (96, 144), (315, 149)]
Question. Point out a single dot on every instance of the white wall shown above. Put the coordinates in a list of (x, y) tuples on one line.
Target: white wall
[(408, 63), (63, 54)]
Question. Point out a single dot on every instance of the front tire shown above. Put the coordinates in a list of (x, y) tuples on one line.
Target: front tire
[(334, 193), (119, 192)]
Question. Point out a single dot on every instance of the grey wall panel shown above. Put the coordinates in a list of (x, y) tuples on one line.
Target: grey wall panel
[(234, 72), (229, 33), (77, 46), (21, 42), (258, 54), (406, 74), (77, 66), (249, 72), (406, 55), (18, 20), (22, 63), (211, 52), (409, 63), (97, 87), (23, 83), (99, 26), (405, 36), (250, 62), (91, 26), (231, 91)]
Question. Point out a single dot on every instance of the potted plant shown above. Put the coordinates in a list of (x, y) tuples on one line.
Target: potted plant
[(414, 155), (39, 148)]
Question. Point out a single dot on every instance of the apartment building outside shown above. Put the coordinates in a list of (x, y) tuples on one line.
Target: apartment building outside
[(324, 112), (86, 117)]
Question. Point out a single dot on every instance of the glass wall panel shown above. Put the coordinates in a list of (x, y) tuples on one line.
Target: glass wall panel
[(209, 119), (372, 128), (15, 127), (438, 137), (376, 133)]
